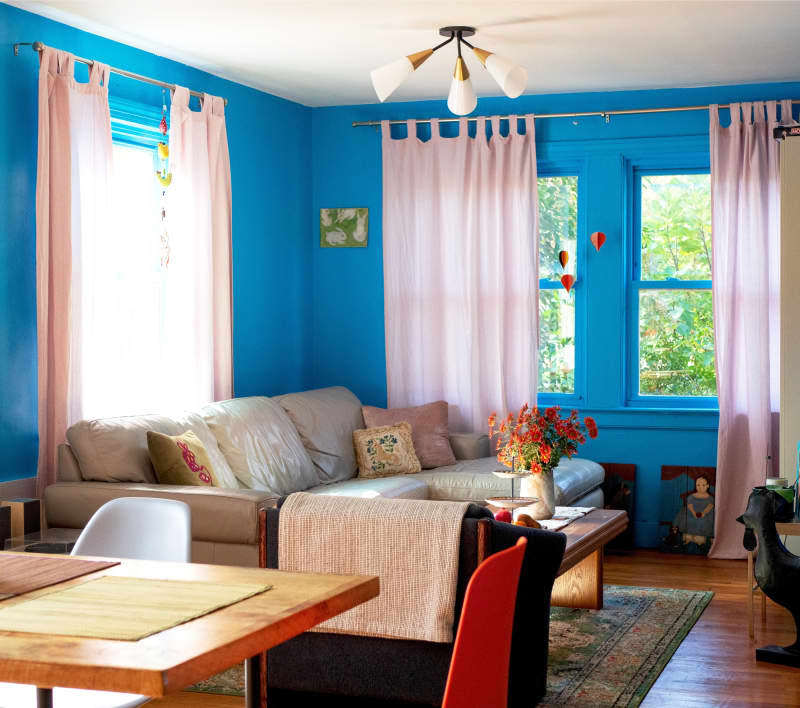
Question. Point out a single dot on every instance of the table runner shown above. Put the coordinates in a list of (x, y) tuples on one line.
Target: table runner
[(113, 607), (411, 545), (24, 573)]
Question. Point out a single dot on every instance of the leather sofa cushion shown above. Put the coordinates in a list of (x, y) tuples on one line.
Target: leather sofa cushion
[(400, 487), (218, 515), (325, 419), (428, 430), (115, 449), (472, 480), (260, 444)]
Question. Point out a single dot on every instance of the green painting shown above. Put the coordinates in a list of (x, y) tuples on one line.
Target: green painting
[(343, 228)]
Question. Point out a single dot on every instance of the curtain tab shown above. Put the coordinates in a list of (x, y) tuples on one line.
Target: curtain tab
[(435, 132), (786, 112), (513, 125), (386, 130), (411, 124), (713, 115), (747, 112), (772, 112), (463, 128), (736, 116), (180, 97), (529, 128), (495, 121), (98, 74), (480, 129)]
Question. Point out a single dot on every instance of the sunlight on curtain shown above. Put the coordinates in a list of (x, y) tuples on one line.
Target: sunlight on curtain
[(123, 325)]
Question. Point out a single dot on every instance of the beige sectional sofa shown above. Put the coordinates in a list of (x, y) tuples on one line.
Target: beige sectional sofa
[(261, 449)]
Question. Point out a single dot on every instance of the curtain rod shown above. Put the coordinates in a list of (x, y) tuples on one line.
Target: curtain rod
[(39, 47), (601, 114)]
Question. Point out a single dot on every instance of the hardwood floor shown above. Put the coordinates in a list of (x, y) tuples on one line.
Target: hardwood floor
[(714, 666)]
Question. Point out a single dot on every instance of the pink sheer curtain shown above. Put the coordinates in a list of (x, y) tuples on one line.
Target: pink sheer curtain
[(745, 191), (199, 319), (73, 169), (460, 264)]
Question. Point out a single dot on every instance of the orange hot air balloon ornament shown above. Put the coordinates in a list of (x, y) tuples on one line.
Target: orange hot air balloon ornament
[(598, 238), (563, 258), (568, 281)]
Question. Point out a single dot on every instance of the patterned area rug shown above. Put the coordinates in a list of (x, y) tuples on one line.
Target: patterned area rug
[(600, 659), (612, 657)]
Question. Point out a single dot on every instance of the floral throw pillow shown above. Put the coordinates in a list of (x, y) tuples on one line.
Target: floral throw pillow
[(385, 451)]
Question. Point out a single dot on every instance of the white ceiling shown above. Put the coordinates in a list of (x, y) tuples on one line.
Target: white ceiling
[(320, 52)]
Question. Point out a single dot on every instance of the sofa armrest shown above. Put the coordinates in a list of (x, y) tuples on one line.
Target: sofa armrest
[(219, 514), (470, 446), (68, 468)]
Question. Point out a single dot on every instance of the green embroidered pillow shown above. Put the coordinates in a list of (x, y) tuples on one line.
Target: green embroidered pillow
[(385, 451), (180, 459)]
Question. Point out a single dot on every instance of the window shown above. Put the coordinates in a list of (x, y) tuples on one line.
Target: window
[(671, 307), (558, 230), (123, 327)]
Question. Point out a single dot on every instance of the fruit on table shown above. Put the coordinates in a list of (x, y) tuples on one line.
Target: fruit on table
[(526, 520), (503, 515)]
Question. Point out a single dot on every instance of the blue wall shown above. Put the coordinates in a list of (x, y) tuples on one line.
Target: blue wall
[(347, 310), (270, 157)]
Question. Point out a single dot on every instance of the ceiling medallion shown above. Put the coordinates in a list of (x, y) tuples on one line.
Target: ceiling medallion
[(462, 100)]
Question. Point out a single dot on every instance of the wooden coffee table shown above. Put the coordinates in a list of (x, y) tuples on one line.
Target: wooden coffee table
[(579, 582)]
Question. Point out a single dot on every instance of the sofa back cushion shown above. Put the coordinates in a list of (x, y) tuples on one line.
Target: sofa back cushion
[(429, 430), (115, 449), (326, 419), (260, 444)]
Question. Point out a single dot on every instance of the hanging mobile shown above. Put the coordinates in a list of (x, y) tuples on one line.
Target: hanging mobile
[(164, 177), (563, 258), (598, 238), (568, 281)]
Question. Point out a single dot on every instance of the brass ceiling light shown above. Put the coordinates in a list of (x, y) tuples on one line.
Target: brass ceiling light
[(461, 100)]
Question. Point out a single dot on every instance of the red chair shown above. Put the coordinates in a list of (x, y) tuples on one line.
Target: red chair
[(478, 675)]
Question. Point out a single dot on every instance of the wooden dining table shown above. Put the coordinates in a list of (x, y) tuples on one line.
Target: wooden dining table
[(175, 658)]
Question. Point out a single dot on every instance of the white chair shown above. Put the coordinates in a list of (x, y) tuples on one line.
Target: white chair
[(142, 528)]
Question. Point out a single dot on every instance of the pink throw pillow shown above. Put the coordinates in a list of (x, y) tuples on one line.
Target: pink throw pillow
[(429, 430)]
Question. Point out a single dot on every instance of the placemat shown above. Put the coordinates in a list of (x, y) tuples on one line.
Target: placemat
[(113, 607), (21, 574)]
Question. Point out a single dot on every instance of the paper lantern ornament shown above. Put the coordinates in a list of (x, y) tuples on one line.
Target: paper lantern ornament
[(598, 238), (568, 281), (563, 258)]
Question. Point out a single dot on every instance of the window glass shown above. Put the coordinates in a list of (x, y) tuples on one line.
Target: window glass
[(556, 342), (674, 317), (558, 224), (558, 230), (676, 343), (676, 227)]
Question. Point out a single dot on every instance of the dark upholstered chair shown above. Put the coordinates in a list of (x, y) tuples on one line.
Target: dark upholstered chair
[(398, 671)]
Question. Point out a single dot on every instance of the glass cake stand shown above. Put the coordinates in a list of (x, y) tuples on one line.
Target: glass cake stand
[(514, 501)]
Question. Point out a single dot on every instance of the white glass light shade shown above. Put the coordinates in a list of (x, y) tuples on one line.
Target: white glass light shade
[(511, 77), (388, 78), (462, 99)]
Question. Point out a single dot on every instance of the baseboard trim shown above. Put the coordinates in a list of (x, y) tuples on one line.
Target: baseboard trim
[(17, 488)]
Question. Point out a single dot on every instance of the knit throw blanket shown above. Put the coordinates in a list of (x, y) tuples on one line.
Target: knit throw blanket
[(411, 545)]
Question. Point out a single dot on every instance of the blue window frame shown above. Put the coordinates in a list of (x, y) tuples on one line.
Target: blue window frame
[(557, 346), (669, 323)]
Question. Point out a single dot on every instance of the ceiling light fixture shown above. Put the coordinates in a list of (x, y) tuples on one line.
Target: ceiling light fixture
[(461, 100)]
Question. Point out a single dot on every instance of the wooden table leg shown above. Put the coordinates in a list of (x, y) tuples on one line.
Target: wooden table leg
[(44, 697), (253, 696), (750, 627), (582, 585)]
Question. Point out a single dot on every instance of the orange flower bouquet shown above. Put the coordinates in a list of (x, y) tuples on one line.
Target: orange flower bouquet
[(533, 443)]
